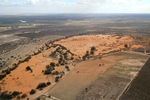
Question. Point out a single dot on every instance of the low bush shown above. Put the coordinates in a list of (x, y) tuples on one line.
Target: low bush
[(68, 69), (52, 64), (6, 96), (32, 91), (28, 68), (55, 73), (2, 76), (8, 72), (41, 85), (15, 93), (57, 79), (47, 72), (24, 96), (48, 83)]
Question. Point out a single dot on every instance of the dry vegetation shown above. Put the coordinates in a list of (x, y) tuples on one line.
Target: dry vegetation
[(51, 62)]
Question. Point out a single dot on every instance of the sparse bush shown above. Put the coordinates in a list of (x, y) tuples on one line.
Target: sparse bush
[(2, 76), (18, 97), (55, 73), (61, 61), (66, 67), (32, 91), (3, 71), (41, 85), (57, 79), (8, 72), (92, 52), (126, 46), (8, 95), (24, 96), (84, 58), (65, 56), (93, 48), (27, 58), (47, 72), (57, 65), (52, 64), (28, 68), (86, 55), (53, 54), (48, 83), (15, 93), (50, 68)]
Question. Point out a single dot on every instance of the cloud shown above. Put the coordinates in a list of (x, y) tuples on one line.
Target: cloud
[(78, 6), (4, 2)]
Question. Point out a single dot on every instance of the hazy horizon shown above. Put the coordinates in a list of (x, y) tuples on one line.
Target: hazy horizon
[(17, 7), (44, 14)]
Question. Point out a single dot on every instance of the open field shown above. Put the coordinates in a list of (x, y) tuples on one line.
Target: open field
[(90, 81), (110, 84), (139, 87)]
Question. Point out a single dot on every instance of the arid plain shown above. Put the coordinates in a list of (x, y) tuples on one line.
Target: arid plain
[(89, 62)]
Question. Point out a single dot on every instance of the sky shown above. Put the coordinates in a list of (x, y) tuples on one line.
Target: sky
[(8, 7)]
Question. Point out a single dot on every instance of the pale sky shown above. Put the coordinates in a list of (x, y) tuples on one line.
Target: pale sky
[(73, 6)]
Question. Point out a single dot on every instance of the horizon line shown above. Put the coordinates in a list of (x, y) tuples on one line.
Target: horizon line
[(33, 14)]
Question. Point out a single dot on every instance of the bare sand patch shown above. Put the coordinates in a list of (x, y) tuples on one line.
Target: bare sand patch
[(103, 43)]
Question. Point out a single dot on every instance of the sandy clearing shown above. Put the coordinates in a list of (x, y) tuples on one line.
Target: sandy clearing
[(103, 43)]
